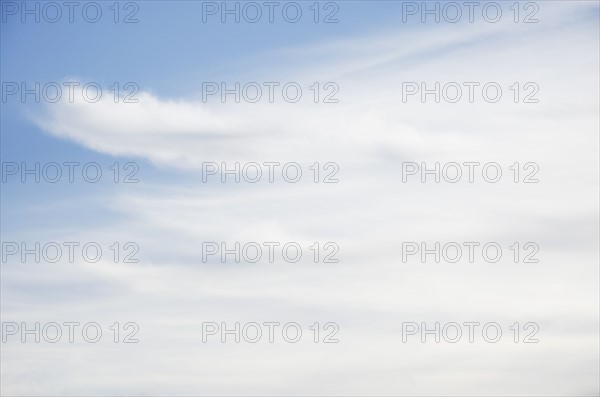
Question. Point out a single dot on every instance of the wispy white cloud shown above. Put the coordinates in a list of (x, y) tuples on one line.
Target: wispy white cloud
[(369, 213)]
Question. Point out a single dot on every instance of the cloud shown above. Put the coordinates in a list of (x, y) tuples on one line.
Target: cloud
[(369, 213)]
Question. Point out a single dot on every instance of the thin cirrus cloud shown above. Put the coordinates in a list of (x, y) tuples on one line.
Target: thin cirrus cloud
[(369, 213), (370, 117)]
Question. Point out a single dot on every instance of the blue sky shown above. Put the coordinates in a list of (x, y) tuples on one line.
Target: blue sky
[(169, 52), (370, 133)]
